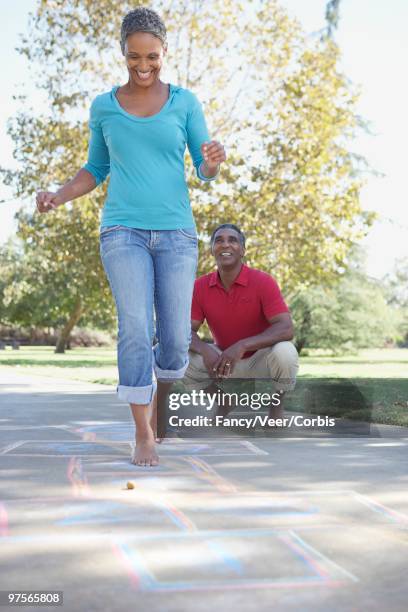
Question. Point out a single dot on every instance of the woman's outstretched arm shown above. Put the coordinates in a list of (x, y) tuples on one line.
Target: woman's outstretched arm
[(82, 183), (92, 174)]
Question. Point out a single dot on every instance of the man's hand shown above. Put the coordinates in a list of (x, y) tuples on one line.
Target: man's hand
[(47, 200), (228, 359), (210, 357)]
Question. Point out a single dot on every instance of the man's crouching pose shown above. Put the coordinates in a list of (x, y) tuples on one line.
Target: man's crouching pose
[(249, 321)]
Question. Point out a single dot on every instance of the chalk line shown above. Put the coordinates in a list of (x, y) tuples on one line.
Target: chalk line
[(323, 557), (12, 446)]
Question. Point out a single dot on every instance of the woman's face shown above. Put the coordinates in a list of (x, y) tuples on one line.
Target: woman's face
[(144, 55)]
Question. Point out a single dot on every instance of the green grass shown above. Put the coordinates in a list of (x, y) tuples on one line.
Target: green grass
[(95, 365), (381, 375), (86, 363), (45, 356), (375, 400), (370, 363)]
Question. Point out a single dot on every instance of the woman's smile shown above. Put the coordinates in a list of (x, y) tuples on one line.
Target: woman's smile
[(144, 76)]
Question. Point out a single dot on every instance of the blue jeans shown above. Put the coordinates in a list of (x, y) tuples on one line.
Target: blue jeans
[(150, 271)]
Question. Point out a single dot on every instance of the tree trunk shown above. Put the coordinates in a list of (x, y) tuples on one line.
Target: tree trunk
[(70, 324), (303, 330), (299, 344)]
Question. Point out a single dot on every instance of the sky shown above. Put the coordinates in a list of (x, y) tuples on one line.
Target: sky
[(372, 38)]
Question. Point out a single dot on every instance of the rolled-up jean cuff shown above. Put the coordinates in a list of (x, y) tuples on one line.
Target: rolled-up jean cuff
[(137, 395), (169, 375)]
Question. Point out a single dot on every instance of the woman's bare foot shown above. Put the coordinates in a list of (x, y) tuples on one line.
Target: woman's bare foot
[(145, 453)]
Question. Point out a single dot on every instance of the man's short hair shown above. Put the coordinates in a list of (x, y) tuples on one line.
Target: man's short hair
[(228, 226)]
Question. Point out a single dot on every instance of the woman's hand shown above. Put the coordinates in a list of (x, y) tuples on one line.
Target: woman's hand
[(47, 200), (82, 183), (213, 154)]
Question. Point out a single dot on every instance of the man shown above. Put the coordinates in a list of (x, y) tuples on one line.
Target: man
[(248, 319)]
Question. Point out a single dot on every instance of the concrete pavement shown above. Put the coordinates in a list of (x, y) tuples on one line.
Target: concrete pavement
[(291, 523)]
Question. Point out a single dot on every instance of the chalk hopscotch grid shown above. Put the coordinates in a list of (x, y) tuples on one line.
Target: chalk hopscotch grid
[(145, 580), (322, 571), (65, 448)]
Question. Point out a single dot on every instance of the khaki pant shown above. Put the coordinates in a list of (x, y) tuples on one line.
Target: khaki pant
[(278, 363)]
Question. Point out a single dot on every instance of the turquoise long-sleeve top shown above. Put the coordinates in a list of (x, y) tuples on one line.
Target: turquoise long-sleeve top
[(145, 159)]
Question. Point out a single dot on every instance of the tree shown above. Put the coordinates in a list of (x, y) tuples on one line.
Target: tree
[(299, 202), (348, 315), (277, 100), (69, 284), (332, 16), (396, 284), (34, 293), (9, 264)]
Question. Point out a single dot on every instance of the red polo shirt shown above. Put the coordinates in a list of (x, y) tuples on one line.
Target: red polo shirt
[(243, 311)]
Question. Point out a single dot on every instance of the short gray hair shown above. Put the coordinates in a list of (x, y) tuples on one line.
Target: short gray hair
[(229, 226), (142, 19)]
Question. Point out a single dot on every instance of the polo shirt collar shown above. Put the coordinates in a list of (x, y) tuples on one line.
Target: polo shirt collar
[(242, 278)]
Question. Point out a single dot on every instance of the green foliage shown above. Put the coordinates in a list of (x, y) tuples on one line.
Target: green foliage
[(297, 197), (38, 291), (62, 254), (277, 100), (10, 275), (350, 315), (396, 284)]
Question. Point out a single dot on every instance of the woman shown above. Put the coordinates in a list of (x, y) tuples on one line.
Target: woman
[(139, 132)]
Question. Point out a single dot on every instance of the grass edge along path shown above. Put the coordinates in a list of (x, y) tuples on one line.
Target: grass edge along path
[(387, 369)]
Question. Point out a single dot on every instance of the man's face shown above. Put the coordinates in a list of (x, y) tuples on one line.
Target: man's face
[(227, 248)]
